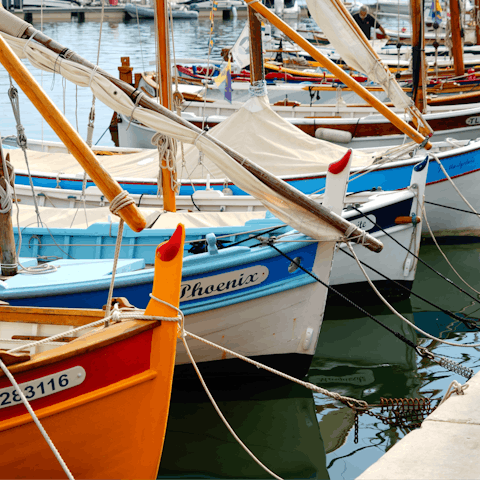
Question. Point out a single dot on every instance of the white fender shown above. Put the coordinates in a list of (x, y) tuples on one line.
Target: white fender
[(332, 135)]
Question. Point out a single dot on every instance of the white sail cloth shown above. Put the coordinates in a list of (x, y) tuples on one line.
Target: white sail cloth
[(258, 133), (352, 45), (294, 215)]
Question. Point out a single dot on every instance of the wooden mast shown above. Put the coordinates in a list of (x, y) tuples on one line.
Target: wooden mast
[(164, 91), (7, 240), (418, 43), (476, 9), (340, 73), (257, 71), (457, 46), (69, 136)]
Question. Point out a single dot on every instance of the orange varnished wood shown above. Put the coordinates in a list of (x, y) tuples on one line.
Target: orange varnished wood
[(12, 358), (50, 315), (165, 93), (69, 136), (457, 44), (35, 338), (406, 220)]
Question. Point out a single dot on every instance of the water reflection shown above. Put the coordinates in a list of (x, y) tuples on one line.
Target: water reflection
[(274, 419), (465, 260), (357, 357)]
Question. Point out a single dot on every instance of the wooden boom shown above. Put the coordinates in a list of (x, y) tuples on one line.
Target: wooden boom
[(69, 136), (336, 70)]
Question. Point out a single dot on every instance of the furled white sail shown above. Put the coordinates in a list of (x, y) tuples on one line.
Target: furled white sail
[(353, 46)]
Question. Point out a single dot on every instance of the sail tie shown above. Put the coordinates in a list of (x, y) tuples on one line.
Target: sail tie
[(28, 41), (137, 100), (258, 88), (122, 200)]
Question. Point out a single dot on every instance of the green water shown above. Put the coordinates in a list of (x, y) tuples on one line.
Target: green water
[(298, 434)]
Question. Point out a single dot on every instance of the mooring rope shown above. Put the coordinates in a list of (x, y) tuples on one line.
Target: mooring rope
[(36, 420)]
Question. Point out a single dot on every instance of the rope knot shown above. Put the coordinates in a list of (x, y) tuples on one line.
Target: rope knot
[(122, 200)]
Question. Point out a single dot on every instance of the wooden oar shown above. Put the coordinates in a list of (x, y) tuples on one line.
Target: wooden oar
[(69, 136)]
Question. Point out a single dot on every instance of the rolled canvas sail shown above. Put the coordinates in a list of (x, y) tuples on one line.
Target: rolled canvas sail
[(297, 216)]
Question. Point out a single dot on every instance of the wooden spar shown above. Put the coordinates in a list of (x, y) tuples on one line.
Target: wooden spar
[(7, 240), (477, 24), (341, 74), (279, 186), (457, 46), (418, 42), (69, 136), (165, 91), (257, 70)]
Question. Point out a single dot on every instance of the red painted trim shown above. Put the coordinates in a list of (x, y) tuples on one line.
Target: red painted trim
[(339, 166), (103, 367), (168, 251)]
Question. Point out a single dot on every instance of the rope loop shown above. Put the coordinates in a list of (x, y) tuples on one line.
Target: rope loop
[(167, 157), (94, 71), (137, 100), (122, 200), (29, 40), (14, 100), (203, 132), (360, 237), (258, 89), (6, 193), (454, 387)]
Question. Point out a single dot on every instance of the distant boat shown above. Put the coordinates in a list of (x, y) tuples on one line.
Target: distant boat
[(145, 11), (49, 4)]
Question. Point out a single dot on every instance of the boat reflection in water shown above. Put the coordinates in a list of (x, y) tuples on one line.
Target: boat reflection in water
[(358, 358), (464, 259), (275, 419)]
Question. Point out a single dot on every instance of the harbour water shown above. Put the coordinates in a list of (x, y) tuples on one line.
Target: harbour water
[(296, 433)]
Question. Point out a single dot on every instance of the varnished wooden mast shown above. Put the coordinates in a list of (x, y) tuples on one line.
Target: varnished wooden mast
[(69, 136), (7, 240), (477, 24), (336, 70), (418, 41), (164, 83), (257, 71), (457, 48)]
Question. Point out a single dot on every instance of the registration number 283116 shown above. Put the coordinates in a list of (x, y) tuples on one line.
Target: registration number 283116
[(43, 386)]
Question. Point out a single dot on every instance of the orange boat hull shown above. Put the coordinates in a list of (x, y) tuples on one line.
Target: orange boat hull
[(113, 424)]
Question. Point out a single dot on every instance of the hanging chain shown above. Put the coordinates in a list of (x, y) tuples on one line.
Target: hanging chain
[(406, 413)]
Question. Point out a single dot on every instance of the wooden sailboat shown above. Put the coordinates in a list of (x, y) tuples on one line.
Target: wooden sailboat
[(102, 397)]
